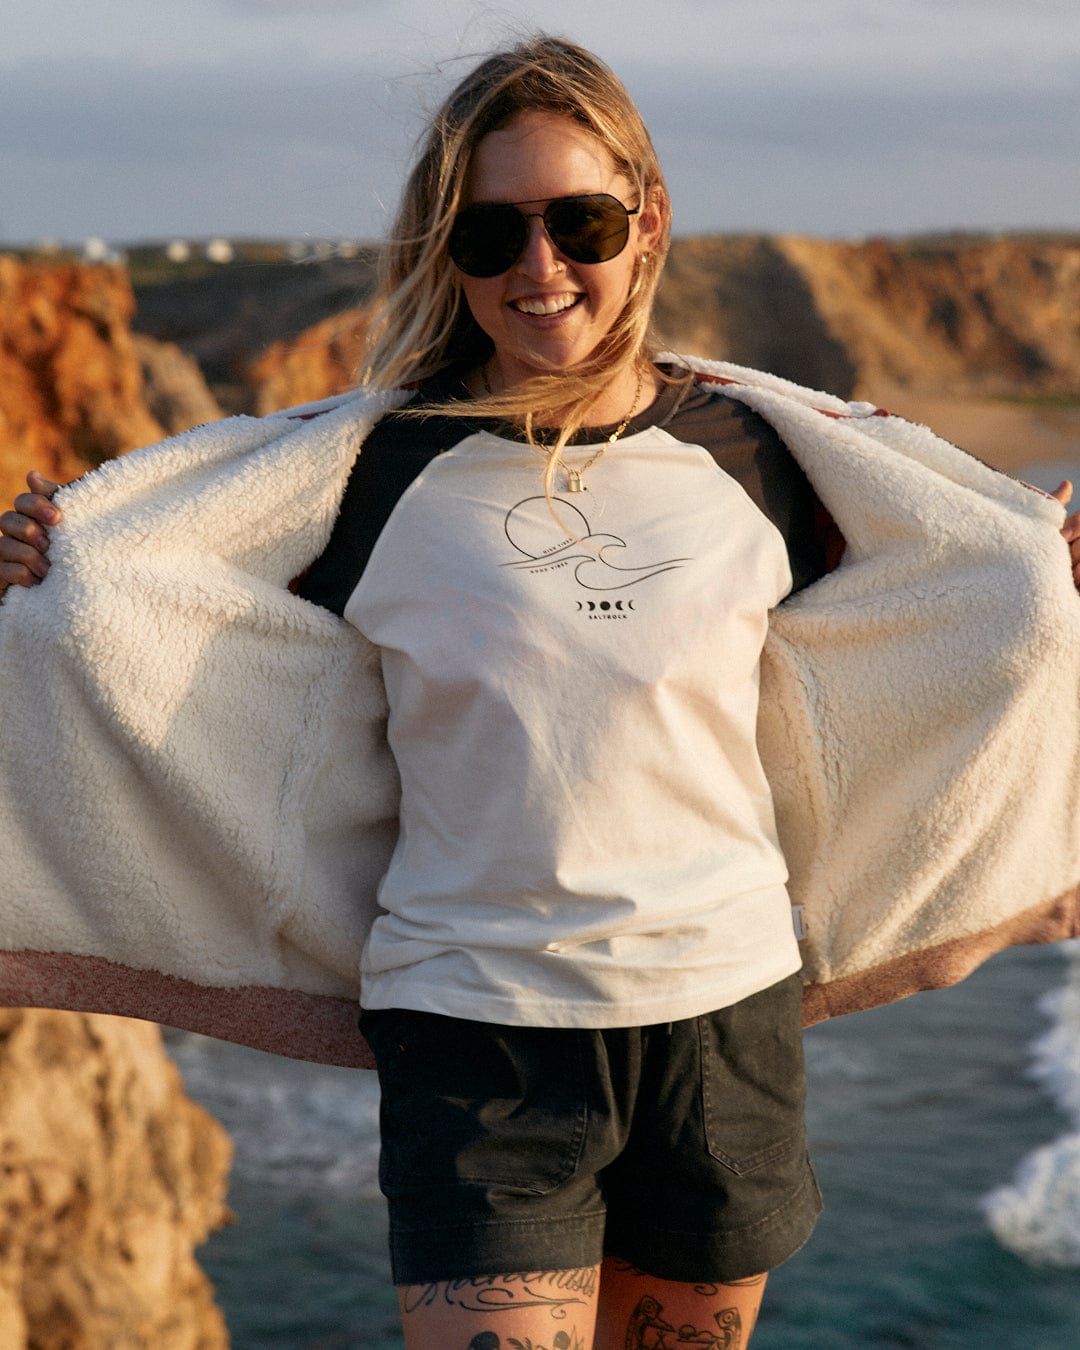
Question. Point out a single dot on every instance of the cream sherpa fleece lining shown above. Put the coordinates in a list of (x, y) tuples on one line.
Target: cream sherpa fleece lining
[(212, 801)]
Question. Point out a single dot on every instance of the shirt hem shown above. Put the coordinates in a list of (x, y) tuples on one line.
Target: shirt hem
[(562, 1013)]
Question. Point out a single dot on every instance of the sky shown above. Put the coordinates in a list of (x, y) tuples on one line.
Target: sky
[(154, 119)]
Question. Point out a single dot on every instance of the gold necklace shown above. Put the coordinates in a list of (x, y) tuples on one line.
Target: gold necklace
[(574, 476)]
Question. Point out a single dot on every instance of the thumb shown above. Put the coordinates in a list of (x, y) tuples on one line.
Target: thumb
[(1064, 492)]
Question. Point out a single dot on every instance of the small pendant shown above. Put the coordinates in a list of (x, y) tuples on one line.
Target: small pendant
[(573, 481)]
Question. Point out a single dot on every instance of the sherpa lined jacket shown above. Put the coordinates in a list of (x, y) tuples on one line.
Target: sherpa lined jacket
[(197, 801)]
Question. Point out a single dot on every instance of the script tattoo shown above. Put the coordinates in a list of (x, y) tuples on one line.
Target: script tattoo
[(554, 1289), (649, 1330)]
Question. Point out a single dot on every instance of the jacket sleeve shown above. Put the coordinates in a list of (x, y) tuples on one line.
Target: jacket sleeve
[(213, 801)]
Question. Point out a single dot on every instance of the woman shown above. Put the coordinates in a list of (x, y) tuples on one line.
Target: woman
[(583, 993)]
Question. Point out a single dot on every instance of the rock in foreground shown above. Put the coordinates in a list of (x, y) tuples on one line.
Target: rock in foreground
[(111, 1176)]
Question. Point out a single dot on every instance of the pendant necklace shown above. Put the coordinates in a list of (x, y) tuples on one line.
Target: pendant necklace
[(574, 476)]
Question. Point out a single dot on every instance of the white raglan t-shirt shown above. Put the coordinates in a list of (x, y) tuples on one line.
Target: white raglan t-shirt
[(587, 836)]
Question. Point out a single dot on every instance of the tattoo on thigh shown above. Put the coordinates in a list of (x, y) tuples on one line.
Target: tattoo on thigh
[(705, 1290), (554, 1289), (649, 1330), (563, 1340)]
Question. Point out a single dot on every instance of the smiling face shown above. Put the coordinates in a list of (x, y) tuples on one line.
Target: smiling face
[(547, 312)]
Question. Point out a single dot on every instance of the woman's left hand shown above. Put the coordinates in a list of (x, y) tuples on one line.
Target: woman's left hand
[(1071, 529)]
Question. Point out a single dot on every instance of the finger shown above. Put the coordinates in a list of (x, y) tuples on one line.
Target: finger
[(38, 507), (1071, 528), (37, 482), (21, 564), (19, 525), (11, 574)]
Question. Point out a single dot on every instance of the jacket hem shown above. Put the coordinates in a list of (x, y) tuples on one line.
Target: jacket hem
[(318, 1027), (937, 967)]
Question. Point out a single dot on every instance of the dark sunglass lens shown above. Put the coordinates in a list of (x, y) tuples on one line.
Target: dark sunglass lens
[(487, 240), (588, 229)]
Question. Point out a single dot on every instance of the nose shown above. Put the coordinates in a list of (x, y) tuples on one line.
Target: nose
[(540, 259)]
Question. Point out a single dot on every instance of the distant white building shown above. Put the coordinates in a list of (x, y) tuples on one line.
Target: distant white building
[(219, 251), (98, 251), (178, 251)]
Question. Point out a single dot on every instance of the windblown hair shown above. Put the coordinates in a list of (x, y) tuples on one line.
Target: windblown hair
[(421, 321)]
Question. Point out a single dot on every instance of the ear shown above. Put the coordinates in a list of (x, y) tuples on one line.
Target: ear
[(651, 219)]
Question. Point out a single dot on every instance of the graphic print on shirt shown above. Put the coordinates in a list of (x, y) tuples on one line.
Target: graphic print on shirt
[(528, 526), (585, 828)]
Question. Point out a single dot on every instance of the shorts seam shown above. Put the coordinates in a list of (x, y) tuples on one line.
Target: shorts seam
[(486, 1224)]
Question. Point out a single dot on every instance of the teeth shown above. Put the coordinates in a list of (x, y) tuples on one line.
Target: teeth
[(537, 305)]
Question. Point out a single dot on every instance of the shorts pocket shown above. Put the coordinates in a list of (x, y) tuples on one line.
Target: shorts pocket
[(753, 1080), (475, 1103)]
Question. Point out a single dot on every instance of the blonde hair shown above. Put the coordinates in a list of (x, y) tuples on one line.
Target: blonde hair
[(420, 320)]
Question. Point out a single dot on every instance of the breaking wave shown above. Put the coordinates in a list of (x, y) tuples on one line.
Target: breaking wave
[(1038, 1215)]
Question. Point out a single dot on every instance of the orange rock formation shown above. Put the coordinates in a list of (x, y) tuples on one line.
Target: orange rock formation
[(111, 1178), (70, 381), (985, 317), (323, 360), (993, 317)]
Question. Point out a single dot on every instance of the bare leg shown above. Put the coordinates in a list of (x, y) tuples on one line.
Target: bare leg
[(637, 1311), (532, 1310)]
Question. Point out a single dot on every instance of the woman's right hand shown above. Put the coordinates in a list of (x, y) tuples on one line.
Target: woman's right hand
[(24, 534)]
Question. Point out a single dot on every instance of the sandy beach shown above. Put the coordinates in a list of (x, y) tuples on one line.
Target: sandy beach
[(1007, 435)]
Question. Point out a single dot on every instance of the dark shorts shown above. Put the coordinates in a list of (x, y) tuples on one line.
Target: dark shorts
[(679, 1147)]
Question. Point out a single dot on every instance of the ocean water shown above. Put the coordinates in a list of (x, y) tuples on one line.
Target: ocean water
[(945, 1130)]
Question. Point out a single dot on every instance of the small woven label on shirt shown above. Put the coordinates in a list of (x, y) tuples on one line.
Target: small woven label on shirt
[(799, 922)]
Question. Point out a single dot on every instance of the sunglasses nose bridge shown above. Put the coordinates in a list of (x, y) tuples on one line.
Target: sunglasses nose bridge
[(540, 256)]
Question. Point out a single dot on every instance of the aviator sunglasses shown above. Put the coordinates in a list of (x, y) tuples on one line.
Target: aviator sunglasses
[(489, 238)]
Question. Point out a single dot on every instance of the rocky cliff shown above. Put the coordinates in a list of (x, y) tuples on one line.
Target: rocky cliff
[(968, 317), (902, 322), (111, 1177), (323, 360), (994, 317), (972, 316), (75, 386), (228, 317)]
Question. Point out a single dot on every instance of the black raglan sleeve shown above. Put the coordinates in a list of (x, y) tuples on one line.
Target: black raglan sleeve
[(396, 452), (749, 448)]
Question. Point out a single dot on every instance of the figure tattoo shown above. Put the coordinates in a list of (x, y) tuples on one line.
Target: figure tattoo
[(649, 1330)]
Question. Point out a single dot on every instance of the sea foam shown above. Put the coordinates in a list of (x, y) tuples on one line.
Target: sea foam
[(1038, 1216)]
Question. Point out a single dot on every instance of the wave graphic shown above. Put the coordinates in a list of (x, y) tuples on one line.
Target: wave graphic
[(528, 528), (1038, 1216)]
